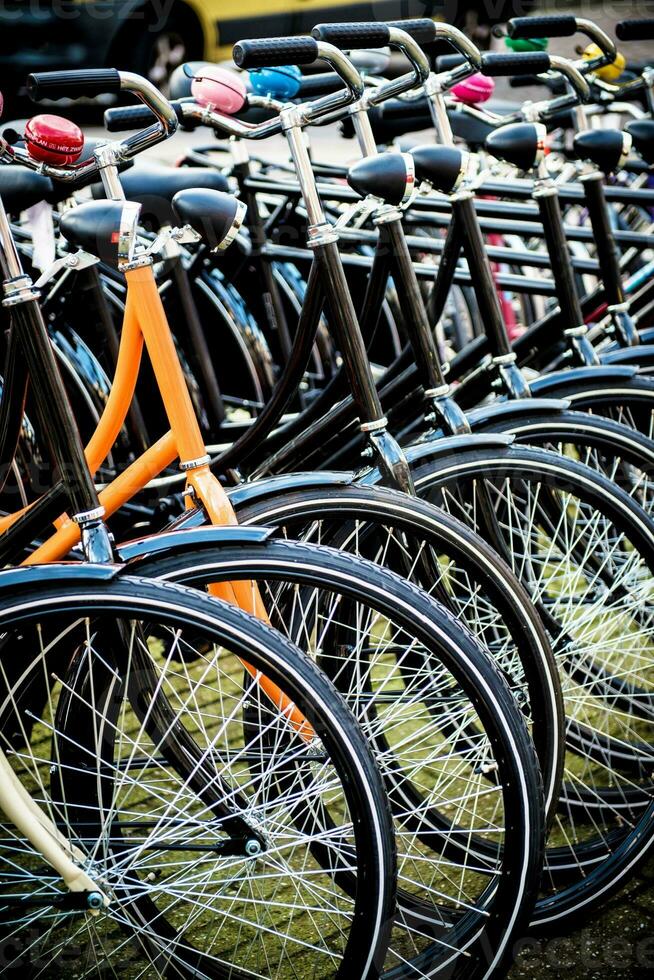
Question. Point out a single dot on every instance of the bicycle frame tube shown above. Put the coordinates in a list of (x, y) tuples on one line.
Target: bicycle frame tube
[(608, 258), (145, 322)]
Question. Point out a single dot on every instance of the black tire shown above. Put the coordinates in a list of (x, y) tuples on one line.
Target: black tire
[(111, 732), (580, 871), (629, 401), (361, 520), (431, 936)]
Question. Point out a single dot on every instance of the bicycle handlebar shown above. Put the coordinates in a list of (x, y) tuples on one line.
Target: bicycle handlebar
[(128, 117), (565, 25), (640, 29), (421, 29), (523, 63), (570, 71), (353, 36), (356, 36), (161, 123), (547, 25), (273, 52), (86, 82)]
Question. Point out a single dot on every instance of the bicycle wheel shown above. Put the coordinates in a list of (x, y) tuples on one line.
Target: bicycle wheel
[(215, 866), (585, 553), (449, 740), (451, 563)]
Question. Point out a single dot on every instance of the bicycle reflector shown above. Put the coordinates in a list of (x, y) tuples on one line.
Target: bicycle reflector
[(474, 90), (277, 83), (52, 139), (219, 89)]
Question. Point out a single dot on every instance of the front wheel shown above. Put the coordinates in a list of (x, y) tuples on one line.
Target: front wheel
[(453, 749), (229, 842), (585, 553)]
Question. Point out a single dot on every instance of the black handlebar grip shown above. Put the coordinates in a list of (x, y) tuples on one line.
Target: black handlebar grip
[(421, 29), (271, 52), (525, 63), (321, 84), (446, 62), (641, 29), (87, 82), (133, 117), (128, 117), (548, 25), (353, 36)]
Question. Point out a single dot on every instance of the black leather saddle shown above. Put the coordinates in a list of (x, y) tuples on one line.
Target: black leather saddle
[(154, 187), (21, 188), (468, 128), (642, 133), (603, 147)]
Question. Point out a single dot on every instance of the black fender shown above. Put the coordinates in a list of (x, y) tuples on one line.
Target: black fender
[(24, 578), (555, 384), (488, 415), (247, 493), (171, 542), (433, 449), (642, 355)]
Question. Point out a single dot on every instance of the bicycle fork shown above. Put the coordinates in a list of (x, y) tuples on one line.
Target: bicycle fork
[(382, 449)]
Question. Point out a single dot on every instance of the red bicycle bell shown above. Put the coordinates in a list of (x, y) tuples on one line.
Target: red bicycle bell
[(52, 139)]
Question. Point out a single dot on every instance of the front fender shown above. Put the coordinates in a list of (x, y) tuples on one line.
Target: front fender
[(558, 383), (507, 411), (432, 449), (171, 542), (248, 493), (25, 577), (642, 356)]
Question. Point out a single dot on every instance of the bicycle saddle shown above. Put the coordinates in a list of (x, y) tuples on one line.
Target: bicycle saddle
[(21, 188), (607, 149), (182, 79), (444, 167), (154, 186), (215, 216), (468, 128), (390, 177), (520, 144), (642, 133), (98, 226)]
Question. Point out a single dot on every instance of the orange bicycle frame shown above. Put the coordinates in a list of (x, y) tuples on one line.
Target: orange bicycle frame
[(145, 322)]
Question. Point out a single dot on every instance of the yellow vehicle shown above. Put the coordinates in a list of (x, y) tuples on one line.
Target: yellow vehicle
[(152, 37)]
